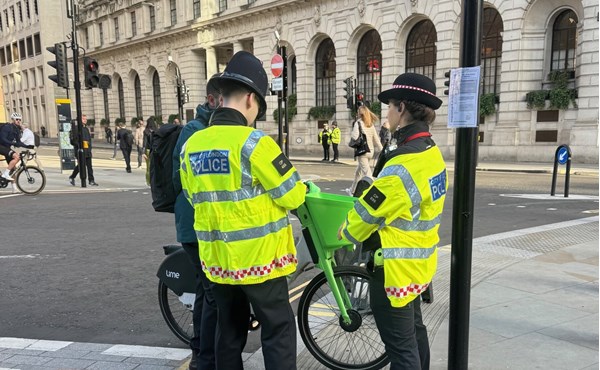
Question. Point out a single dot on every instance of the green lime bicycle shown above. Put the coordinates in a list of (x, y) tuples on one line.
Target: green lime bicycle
[(334, 315)]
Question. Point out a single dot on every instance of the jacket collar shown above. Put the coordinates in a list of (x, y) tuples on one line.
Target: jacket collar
[(227, 117), (407, 131), (203, 113)]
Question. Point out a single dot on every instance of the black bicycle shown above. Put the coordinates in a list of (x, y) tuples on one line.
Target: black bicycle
[(29, 179)]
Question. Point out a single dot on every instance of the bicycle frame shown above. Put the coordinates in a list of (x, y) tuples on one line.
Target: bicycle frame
[(325, 261)]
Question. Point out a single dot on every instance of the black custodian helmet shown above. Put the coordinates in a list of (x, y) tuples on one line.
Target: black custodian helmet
[(247, 70)]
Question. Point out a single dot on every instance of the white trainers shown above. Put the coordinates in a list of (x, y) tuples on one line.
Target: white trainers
[(6, 176), (348, 191)]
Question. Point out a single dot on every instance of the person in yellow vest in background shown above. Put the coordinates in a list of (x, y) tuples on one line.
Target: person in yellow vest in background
[(336, 138), (241, 187), (325, 140), (398, 218)]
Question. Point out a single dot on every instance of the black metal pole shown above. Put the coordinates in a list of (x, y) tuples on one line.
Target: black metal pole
[(285, 106), (179, 96), (77, 87), (554, 173), (279, 118), (464, 199), (568, 175)]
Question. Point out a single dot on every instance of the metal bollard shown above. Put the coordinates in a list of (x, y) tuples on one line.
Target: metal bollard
[(562, 156)]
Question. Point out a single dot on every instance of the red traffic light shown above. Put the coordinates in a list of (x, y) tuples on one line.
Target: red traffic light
[(92, 66)]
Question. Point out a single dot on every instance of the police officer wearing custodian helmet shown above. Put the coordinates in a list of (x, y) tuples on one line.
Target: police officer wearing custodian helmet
[(398, 217), (241, 187)]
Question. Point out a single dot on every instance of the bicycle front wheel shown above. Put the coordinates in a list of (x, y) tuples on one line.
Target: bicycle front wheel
[(177, 312), (335, 344), (31, 180)]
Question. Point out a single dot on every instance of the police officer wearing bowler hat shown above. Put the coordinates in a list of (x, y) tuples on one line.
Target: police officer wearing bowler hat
[(398, 218), (241, 187)]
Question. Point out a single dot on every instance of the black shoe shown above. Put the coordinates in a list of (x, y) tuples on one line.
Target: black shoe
[(93, 183), (72, 181), (193, 361), (128, 170)]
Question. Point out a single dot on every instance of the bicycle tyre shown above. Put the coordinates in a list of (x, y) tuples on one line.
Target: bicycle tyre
[(309, 321), (30, 175), (183, 327)]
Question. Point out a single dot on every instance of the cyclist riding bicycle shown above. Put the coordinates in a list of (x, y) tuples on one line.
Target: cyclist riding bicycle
[(10, 135)]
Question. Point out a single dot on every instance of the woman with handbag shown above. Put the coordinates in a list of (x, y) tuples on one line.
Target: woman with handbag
[(366, 141)]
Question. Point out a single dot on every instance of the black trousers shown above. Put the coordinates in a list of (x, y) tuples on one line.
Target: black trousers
[(401, 329), (336, 154), (127, 156), (270, 301), (140, 152), (89, 170), (326, 151), (204, 317)]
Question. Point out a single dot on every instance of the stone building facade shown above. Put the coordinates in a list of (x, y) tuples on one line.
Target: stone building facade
[(143, 45), (27, 27)]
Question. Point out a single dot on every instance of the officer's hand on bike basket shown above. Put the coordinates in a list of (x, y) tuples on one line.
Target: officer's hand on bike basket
[(311, 187)]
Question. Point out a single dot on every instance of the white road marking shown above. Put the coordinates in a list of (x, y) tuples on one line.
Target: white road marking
[(148, 352), (550, 209), (550, 197), (491, 204), (33, 344), (9, 196), (521, 206), (20, 256)]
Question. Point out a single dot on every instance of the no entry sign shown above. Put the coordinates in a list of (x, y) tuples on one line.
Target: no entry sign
[(277, 65)]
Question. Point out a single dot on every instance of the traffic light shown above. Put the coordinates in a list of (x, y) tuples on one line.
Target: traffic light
[(104, 81), (360, 100), (61, 78), (447, 82), (90, 69), (184, 93), (349, 92)]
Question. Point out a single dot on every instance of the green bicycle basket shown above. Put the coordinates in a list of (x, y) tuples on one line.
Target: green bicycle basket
[(328, 212)]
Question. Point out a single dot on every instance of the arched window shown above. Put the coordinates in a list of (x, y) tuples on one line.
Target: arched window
[(369, 66), (121, 95), (491, 50), (421, 50), (564, 41), (137, 86), (293, 73), (325, 74), (156, 94), (106, 109)]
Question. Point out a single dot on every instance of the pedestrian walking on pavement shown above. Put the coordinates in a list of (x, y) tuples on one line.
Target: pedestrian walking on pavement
[(109, 134), (223, 168), (87, 151), (138, 139), (125, 139), (43, 130), (205, 307), (148, 132), (366, 124), (410, 188), (385, 135), (325, 140), (117, 125), (336, 138)]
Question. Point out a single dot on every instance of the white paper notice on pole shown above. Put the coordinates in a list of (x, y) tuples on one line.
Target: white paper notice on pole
[(463, 99), (277, 84)]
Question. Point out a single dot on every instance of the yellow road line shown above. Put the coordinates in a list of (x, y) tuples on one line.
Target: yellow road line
[(321, 313), (299, 287)]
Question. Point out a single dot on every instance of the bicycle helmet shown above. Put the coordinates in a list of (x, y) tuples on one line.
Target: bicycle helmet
[(15, 116)]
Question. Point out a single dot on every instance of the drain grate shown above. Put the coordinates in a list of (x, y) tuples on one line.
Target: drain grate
[(551, 240)]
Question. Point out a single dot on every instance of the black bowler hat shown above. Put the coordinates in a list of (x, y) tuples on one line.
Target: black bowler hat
[(412, 87), (245, 69)]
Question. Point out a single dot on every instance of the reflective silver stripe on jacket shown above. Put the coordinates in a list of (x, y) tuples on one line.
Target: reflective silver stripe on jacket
[(410, 186), (416, 225), (348, 236), (226, 195), (367, 217), (408, 253), (285, 186), (247, 150), (246, 234)]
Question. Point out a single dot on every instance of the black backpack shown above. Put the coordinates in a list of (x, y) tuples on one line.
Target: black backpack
[(161, 167)]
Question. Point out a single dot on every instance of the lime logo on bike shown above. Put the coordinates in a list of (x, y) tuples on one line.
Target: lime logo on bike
[(374, 197), (240, 274)]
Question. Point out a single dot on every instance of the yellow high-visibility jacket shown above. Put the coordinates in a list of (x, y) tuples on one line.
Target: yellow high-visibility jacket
[(404, 206), (328, 132), (241, 186), (336, 135)]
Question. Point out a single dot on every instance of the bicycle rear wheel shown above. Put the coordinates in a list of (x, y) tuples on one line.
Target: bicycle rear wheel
[(334, 344), (177, 312), (31, 180)]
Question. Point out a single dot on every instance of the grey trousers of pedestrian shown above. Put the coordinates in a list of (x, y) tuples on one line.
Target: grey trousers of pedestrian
[(140, 151), (115, 147), (400, 328), (204, 317), (363, 169), (270, 301)]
